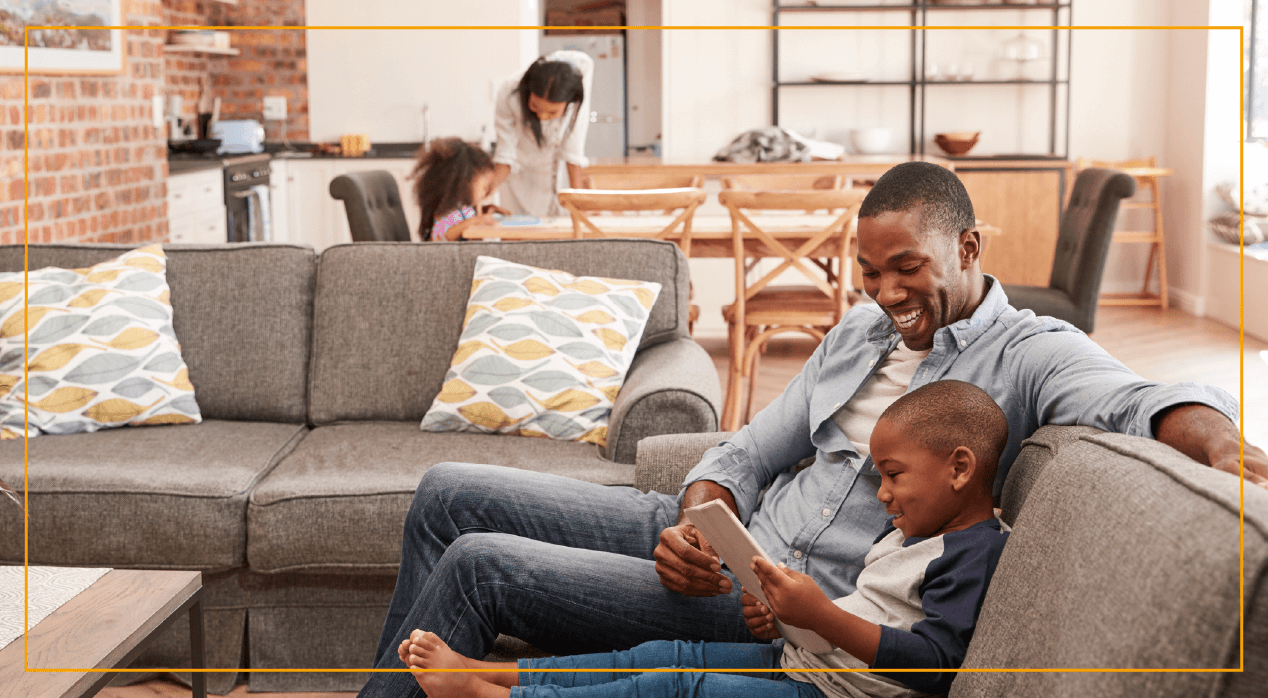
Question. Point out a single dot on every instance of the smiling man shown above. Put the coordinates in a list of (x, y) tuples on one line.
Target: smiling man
[(576, 567)]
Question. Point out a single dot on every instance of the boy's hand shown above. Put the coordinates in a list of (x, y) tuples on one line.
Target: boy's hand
[(758, 618), (793, 596)]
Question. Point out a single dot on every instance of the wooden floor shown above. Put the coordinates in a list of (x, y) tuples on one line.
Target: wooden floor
[(1163, 346)]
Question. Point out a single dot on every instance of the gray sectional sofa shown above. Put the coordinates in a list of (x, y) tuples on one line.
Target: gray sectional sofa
[(312, 374), (1124, 555)]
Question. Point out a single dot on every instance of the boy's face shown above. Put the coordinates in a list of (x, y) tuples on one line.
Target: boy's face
[(916, 485)]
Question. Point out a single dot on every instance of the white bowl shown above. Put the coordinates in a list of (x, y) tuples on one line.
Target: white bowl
[(871, 141)]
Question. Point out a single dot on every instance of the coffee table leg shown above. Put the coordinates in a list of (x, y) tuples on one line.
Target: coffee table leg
[(198, 659)]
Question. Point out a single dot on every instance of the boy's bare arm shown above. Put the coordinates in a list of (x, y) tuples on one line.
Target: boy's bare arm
[(798, 601)]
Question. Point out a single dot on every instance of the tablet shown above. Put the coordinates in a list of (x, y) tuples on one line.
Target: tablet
[(737, 547)]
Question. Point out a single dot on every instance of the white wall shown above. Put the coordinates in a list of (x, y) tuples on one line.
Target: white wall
[(377, 81), (644, 49)]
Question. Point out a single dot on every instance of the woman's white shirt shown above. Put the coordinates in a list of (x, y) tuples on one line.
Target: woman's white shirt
[(532, 186)]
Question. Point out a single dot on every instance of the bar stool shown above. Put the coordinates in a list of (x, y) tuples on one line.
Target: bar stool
[(1146, 173)]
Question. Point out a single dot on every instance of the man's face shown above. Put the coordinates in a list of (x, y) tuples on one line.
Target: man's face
[(921, 279), (915, 483)]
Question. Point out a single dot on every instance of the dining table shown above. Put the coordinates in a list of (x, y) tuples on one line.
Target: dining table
[(710, 233)]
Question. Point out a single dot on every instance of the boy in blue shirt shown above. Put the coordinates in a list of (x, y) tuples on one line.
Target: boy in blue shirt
[(916, 604)]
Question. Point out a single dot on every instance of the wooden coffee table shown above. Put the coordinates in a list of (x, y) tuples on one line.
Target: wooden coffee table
[(105, 627)]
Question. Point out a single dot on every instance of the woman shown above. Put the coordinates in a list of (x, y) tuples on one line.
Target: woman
[(540, 121)]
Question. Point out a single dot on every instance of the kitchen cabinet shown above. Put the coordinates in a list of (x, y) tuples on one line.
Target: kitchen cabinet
[(1024, 199), (196, 207), (305, 212)]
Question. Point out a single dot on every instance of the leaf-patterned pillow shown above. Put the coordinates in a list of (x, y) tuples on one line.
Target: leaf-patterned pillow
[(543, 353), (102, 350)]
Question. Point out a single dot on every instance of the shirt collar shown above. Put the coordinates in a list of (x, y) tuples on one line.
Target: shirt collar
[(964, 331)]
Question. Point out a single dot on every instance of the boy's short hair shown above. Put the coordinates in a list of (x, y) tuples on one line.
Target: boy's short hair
[(944, 204), (946, 414)]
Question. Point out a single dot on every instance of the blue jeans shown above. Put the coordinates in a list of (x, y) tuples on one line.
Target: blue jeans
[(563, 564), (621, 683)]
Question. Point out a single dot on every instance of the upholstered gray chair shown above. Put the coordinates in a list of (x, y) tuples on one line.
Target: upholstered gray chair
[(373, 203), (1082, 245)]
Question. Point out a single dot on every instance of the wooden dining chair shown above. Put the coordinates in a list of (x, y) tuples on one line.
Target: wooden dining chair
[(785, 182), (1145, 172), (584, 205), (822, 254), (615, 181)]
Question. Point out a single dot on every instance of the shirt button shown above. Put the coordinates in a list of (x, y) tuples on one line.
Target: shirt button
[(963, 343), (871, 363), (797, 554), (827, 512), (838, 405)]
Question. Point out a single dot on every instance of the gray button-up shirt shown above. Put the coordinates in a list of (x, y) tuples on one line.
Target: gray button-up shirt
[(823, 519)]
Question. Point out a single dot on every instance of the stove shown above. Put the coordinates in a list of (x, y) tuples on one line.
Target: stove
[(246, 185)]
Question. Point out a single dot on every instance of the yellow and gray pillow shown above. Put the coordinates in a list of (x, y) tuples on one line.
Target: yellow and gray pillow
[(102, 351), (542, 353)]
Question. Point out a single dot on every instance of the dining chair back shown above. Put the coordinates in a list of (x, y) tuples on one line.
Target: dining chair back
[(784, 182), (584, 205), (373, 204), (822, 254), (1083, 242), (614, 180)]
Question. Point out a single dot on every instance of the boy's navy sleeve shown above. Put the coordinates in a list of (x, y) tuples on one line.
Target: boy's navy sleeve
[(951, 595)]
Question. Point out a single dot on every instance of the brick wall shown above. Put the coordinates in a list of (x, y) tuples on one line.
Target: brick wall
[(271, 63), (97, 164)]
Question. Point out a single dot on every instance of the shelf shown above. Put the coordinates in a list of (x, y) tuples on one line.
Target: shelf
[(917, 7), (180, 48), (864, 83)]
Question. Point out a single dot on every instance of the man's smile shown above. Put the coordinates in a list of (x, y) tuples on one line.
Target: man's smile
[(906, 320)]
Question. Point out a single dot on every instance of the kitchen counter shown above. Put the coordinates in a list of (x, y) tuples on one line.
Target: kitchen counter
[(180, 167)]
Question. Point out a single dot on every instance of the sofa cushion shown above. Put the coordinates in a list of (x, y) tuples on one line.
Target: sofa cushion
[(1125, 556), (339, 501), (170, 498), (387, 315), (242, 314), (1037, 453)]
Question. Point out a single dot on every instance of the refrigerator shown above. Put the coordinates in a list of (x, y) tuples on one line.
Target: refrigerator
[(606, 136)]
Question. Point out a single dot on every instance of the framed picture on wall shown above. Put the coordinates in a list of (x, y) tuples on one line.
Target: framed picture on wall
[(76, 49)]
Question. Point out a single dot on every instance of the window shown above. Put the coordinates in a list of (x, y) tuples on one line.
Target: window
[(1255, 65)]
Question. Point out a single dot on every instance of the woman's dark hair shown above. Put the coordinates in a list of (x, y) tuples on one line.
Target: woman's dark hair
[(444, 174), (553, 81)]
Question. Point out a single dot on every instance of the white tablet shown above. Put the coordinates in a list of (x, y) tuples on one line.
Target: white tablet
[(737, 547)]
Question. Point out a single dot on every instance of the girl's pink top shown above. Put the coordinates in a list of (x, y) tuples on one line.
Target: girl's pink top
[(444, 223)]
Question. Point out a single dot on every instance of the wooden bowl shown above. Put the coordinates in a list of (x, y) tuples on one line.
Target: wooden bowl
[(957, 143)]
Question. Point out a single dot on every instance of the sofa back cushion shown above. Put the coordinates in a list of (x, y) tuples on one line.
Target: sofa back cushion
[(242, 314), (388, 315), (1125, 555)]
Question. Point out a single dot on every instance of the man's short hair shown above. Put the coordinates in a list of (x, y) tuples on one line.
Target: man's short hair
[(947, 414), (944, 204)]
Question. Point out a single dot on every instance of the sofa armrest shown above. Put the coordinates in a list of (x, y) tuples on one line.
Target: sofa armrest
[(671, 388), (664, 461)]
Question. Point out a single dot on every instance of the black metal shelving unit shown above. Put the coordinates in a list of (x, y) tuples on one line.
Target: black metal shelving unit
[(1062, 15)]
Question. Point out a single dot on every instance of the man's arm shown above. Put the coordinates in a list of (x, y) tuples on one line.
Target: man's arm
[(1208, 437)]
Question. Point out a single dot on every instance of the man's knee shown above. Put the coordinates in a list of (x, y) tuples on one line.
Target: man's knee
[(481, 556)]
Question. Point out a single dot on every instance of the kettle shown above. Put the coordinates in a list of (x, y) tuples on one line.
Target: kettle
[(241, 136)]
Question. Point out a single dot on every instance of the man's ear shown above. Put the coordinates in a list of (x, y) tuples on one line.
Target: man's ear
[(963, 465), (970, 247)]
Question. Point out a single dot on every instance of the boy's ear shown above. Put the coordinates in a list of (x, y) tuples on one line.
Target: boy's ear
[(963, 464)]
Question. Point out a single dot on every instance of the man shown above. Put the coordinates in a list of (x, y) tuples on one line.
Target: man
[(573, 567)]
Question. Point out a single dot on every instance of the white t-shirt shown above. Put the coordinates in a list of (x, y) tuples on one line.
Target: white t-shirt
[(858, 417)]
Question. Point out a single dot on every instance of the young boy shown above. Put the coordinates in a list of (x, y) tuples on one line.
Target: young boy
[(915, 605)]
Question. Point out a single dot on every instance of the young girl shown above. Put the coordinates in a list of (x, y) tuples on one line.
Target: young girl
[(453, 177)]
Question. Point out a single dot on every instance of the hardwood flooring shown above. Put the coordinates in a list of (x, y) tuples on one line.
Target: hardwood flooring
[(1169, 346)]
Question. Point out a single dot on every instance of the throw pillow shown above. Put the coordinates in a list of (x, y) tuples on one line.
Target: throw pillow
[(102, 350), (543, 353)]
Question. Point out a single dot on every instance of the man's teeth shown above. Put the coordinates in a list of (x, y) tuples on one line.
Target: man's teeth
[(906, 320)]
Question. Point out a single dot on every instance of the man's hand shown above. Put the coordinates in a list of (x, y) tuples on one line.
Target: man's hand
[(793, 596), (758, 618), (1207, 436), (687, 564)]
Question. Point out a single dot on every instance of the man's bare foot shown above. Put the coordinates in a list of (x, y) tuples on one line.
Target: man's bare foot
[(481, 670), (428, 651)]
